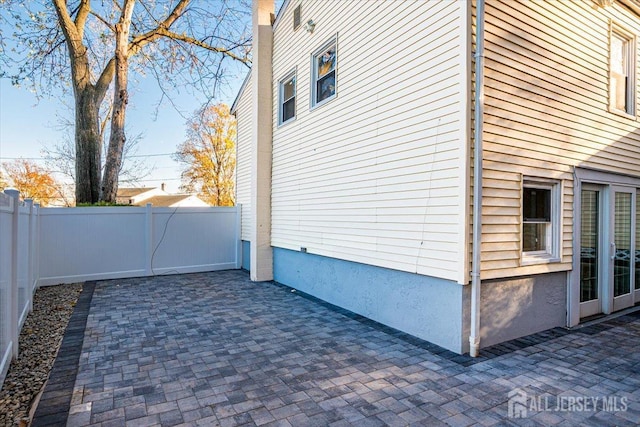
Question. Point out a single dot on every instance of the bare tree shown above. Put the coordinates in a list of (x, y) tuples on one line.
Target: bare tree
[(61, 156), (93, 45)]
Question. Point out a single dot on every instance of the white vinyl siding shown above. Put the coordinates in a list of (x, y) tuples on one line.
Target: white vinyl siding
[(546, 112), (243, 161), (375, 175)]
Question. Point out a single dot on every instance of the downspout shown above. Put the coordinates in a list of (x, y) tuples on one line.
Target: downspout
[(474, 337)]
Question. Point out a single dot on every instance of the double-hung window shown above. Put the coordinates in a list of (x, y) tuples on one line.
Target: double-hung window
[(622, 87), (323, 68), (540, 221), (287, 98)]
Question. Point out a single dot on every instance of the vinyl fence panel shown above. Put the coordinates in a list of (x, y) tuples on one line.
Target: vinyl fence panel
[(18, 278), (79, 244)]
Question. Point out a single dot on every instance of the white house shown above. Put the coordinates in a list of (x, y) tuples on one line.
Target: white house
[(363, 126), (157, 197)]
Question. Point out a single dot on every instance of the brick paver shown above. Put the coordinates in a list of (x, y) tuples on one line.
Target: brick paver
[(216, 349)]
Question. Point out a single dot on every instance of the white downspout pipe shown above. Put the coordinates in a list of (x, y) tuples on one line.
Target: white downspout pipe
[(474, 336)]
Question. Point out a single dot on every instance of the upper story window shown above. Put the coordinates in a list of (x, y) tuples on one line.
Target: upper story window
[(323, 67), (540, 221), (622, 87), (287, 98)]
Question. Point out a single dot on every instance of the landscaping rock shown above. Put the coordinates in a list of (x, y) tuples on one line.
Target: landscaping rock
[(40, 340)]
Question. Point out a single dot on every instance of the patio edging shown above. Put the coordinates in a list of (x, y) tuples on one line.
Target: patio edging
[(55, 401)]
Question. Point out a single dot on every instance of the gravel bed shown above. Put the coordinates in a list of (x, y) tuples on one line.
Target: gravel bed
[(40, 340)]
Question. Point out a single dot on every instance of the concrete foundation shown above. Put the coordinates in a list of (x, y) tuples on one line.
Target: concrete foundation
[(513, 308), (426, 307)]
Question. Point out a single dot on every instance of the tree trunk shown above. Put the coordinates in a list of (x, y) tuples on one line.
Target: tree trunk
[(88, 146), (117, 137)]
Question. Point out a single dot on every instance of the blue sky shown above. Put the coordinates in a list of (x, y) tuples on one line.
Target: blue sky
[(28, 124)]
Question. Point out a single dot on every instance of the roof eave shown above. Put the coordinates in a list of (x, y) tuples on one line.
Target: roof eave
[(234, 106), (280, 14)]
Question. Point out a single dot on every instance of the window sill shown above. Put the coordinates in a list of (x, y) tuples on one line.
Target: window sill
[(291, 120), (538, 259), (323, 102), (622, 114)]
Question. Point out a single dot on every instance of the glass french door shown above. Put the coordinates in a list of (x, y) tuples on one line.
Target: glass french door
[(636, 253), (590, 251), (609, 236), (622, 247)]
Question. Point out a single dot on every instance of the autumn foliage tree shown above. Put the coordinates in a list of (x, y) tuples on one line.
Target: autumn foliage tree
[(33, 181), (3, 182), (209, 156), (92, 46)]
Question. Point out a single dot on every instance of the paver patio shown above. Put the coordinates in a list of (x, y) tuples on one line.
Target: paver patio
[(216, 349)]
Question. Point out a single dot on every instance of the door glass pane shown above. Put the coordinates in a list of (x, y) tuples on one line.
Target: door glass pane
[(622, 239), (637, 250), (589, 239)]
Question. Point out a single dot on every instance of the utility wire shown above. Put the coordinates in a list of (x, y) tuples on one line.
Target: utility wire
[(128, 157)]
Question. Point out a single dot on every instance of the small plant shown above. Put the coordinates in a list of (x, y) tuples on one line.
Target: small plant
[(102, 203)]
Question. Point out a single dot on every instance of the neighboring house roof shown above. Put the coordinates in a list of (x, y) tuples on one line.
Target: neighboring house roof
[(157, 197), (171, 200), (131, 192), (164, 201)]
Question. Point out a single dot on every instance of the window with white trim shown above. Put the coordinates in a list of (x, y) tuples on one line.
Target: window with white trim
[(622, 87), (540, 221), (287, 98), (323, 73)]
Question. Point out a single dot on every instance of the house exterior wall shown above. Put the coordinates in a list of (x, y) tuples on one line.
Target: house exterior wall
[(546, 112), (426, 307), (243, 158), (516, 307), (378, 175), (191, 201)]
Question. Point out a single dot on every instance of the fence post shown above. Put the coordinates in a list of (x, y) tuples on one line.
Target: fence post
[(14, 332), (36, 248), (238, 236), (30, 252), (148, 247)]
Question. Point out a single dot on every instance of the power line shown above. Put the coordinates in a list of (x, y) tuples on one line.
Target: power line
[(157, 179), (127, 157), (151, 155)]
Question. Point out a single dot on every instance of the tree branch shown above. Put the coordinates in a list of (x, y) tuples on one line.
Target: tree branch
[(106, 23), (77, 51), (81, 17), (143, 39), (102, 85), (191, 40), (68, 26)]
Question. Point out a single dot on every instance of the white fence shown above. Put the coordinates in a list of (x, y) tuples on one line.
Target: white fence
[(79, 244), (18, 270), (50, 246)]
